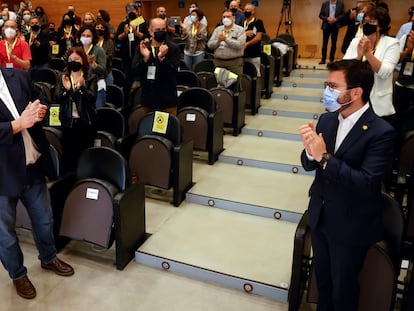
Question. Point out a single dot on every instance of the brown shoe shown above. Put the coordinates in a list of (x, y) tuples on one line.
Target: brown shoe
[(25, 288), (59, 267)]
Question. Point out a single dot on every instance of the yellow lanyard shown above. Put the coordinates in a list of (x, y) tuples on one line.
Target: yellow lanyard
[(153, 51), (89, 49), (32, 38), (246, 24), (10, 50), (72, 81), (100, 43), (68, 33), (193, 31)]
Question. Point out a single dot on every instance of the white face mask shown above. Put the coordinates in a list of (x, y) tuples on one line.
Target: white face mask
[(227, 22), (86, 40), (10, 33)]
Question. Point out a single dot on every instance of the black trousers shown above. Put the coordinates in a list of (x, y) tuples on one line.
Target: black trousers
[(337, 266), (332, 32)]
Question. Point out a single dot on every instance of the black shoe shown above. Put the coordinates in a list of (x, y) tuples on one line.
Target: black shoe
[(322, 62)]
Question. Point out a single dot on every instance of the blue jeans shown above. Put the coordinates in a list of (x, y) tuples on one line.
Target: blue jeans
[(35, 197), (100, 99), (191, 60)]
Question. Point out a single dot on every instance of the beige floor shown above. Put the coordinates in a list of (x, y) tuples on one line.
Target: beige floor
[(97, 285)]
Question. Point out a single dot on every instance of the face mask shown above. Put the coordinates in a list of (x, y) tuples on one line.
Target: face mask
[(51, 29), (38, 13), (247, 14), (100, 32), (4, 18), (227, 22), (330, 100), (66, 22), (162, 16), (10, 33), (26, 18), (369, 29), (75, 66), (132, 16), (159, 36), (190, 10), (233, 10), (86, 40), (193, 19), (35, 27), (360, 17)]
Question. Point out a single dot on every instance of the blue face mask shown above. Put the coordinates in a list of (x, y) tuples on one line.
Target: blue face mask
[(193, 19), (330, 100), (360, 17)]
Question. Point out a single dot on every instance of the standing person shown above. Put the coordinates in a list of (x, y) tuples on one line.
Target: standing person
[(193, 6), (104, 15), (350, 149), (25, 158), (77, 114), (254, 30), (156, 64), (105, 42), (67, 34), (195, 35), (382, 53), (228, 41), (332, 11), (40, 12), (130, 32), (38, 41), (162, 13), (14, 52), (96, 58), (239, 17)]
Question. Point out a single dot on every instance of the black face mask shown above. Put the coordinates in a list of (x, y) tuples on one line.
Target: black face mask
[(75, 66), (66, 22), (35, 27), (159, 36), (162, 16), (51, 29), (369, 29), (247, 14), (100, 32), (233, 10), (132, 16)]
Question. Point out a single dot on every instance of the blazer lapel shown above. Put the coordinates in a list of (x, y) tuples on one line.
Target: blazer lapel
[(360, 127), (329, 135)]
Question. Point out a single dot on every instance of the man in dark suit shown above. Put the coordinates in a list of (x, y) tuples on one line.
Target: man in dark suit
[(25, 160), (156, 64), (331, 14), (350, 149)]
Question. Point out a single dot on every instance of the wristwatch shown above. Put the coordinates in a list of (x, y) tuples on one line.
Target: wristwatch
[(325, 158)]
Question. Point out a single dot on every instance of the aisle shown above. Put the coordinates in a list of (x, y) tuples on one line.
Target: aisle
[(237, 224)]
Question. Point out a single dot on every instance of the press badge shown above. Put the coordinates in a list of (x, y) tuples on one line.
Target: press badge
[(9, 65), (151, 72), (408, 69), (131, 36)]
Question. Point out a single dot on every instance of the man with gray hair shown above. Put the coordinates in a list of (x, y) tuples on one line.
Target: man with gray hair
[(228, 41)]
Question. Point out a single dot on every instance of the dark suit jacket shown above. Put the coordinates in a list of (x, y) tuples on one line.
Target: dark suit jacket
[(161, 92), (348, 190), (339, 13), (12, 153)]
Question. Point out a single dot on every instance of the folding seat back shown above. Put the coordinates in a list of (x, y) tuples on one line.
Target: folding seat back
[(99, 204), (134, 117), (160, 157), (57, 63), (115, 95), (48, 75), (280, 60), (232, 101), (205, 65), (187, 78), (207, 79), (377, 280), (88, 213), (46, 89), (117, 63), (110, 120), (294, 46), (201, 122), (254, 94), (269, 74), (119, 77)]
